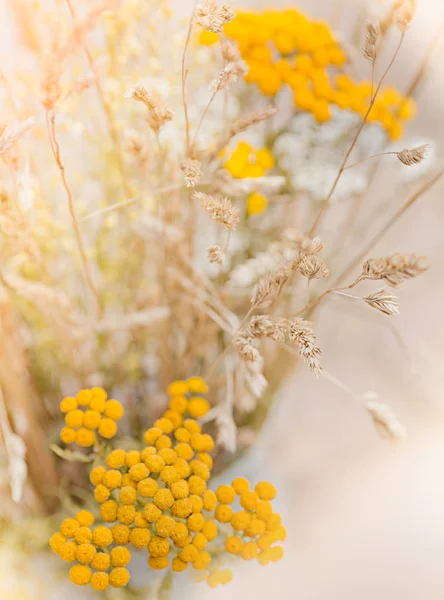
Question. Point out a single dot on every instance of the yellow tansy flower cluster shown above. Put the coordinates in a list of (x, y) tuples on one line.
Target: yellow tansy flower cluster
[(88, 413), (158, 499), (244, 162), (284, 48)]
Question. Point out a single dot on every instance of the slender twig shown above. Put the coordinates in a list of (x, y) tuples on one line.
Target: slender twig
[(368, 158), (353, 144), (204, 114), (184, 79), (50, 123)]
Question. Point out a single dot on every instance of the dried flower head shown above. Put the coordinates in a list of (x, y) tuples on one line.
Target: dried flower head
[(264, 326), (228, 76), (404, 14), (230, 52), (212, 18), (372, 33), (396, 268), (192, 170), (301, 333), (413, 156), (313, 267), (216, 255), (269, 287), (219, 209), (247, 347), (12, 133), (158, 111), (299, 241), (384, 301), (386, 423)]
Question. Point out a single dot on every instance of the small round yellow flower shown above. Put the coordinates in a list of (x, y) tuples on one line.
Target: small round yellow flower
[(249, 500), (249, 551), (182, 466), (240, 520), (126, 514), (178, 565), (80, 574), (256, 203), (107, 428), (69, 527), (225, 494), (254, 528), (68, 404), (102, 536), (112, 479), (192, 426), (121, 533), (197, 385), (164, 424), (101, 562), (206, 459), (174, 417), (195, 522), (240, 485), (209, 500), (265, 490), (264, 541), (120, 556), (163, 498), (151, 512), (169, 475), (184, 451), (180, 534), (99, 581), (200, 469), (158, 563), (151, 435), (147, 488), (197, 485), (165, 526), (85, 553), (158, 547), (96, 475), (200, 541), (179, 404), (85, 437), (116, 459), (56, 542), (119, 577), (198, 407), (74, 418), (202, 442), (140, 521), (91, 419), (177, 388), (196, 503), (108, 511), (276, 553), (68, 435), (169, 455), (182, 508), (146, 452), (85, 518), (84, 397), (83, 535), (233, 545), (273, 522), (189, 553), (98, 392), (98, 403), (140, 538), (154, 463), (101, 493), (179, 489), (163, 442), (139, 471), (132, 458), (202, 560), (114, 410), (210, 530), (223, 513), (264, 510), (67, 551), (128, 495)]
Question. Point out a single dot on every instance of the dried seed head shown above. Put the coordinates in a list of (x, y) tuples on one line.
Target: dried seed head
[(247, 347), (12, 133), (263, 326), (216, 255), (192, 171), (384, 301), (396, 268), (313, 267), (372, 33), (301, 334), (230, 52), (301, 242), (228, 76), (404, 14), (158, 111), (386, 423), (212, 18), (413, 156), (219, 209), (269, 287)]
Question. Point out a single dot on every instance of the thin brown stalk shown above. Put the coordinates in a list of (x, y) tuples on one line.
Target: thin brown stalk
[(184, 79), (425, 63), (50, 122), (368, 158), (106, 109), (202, 118), (325, 203)]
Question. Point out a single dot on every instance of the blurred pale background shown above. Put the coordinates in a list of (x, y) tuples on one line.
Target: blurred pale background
[(365, 519)]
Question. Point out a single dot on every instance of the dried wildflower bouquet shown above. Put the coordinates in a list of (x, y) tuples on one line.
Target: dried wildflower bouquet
[(147, 239)]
